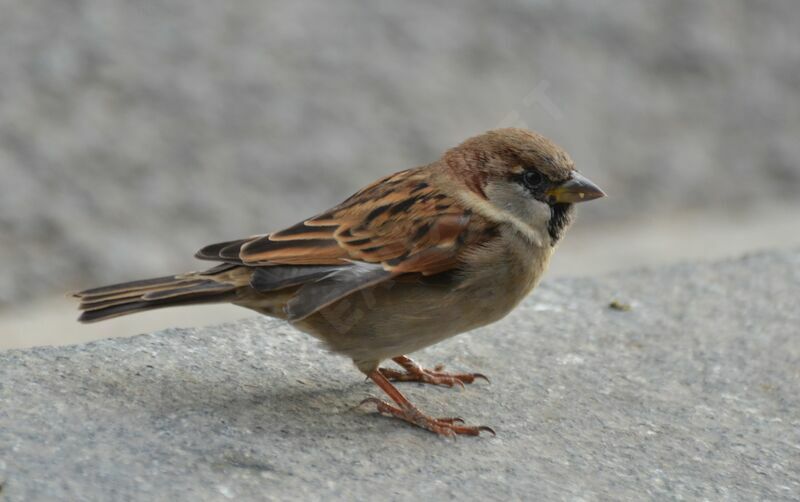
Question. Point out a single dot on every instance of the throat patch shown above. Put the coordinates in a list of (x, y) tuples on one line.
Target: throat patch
[(561, 215)]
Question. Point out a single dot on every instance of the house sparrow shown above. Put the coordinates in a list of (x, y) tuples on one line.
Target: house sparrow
[(410, 260)]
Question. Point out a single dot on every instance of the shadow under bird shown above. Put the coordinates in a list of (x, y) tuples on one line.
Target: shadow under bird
[(408, 261)]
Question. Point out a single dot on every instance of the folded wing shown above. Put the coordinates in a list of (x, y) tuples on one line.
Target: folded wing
[(398, 225)]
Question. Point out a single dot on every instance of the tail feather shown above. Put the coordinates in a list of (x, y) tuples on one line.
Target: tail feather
[(203, 287), (128, 287), (116, 300)]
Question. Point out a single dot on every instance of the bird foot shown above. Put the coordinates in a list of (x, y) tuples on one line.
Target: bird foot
[(416, 373), (448, 426)]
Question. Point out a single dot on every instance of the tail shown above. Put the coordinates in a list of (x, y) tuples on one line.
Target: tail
[(219, 284)]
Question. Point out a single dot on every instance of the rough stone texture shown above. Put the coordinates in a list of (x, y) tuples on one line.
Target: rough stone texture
[(130, 132), (692, 394)]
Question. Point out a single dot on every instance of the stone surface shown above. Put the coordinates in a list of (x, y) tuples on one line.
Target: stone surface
[(132, 134), (691, 394)]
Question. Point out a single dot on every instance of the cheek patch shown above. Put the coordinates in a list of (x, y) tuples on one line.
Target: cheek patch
[(517, 200)]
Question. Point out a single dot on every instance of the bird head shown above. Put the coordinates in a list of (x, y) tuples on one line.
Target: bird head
[(525, 176)]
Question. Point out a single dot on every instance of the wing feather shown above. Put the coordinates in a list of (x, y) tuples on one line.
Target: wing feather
[(400, 224), (345, 281)]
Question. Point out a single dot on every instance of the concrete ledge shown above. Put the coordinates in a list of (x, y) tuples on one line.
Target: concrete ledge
[(693, 393)]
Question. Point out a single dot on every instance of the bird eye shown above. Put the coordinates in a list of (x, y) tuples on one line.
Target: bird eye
[(532, 179)]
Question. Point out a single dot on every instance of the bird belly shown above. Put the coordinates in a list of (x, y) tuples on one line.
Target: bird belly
[(400, 317)]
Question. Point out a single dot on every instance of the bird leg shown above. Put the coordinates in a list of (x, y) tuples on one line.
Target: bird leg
[(404, 410), (416, 373)]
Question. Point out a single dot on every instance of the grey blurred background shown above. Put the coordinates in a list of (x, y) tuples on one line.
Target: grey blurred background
[(132, 133)]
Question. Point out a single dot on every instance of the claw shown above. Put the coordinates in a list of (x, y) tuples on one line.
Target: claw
[(374, 400), (481, 375), (487, 429)]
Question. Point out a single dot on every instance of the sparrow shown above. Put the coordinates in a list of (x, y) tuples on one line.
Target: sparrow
[(412, 259)]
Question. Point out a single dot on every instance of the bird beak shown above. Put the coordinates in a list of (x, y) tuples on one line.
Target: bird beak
[(576, 189)]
